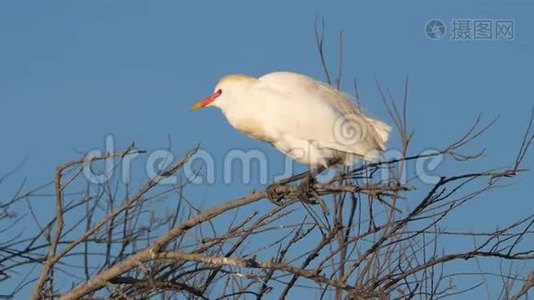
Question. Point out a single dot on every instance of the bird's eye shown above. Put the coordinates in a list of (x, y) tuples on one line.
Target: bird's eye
[(219, 92)]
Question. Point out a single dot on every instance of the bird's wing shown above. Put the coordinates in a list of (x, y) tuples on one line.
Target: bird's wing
[(312, 110)]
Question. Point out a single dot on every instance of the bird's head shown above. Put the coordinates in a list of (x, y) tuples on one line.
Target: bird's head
[(229, 89)]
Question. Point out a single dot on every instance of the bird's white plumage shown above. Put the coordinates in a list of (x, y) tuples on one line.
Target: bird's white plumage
[(303, 118)]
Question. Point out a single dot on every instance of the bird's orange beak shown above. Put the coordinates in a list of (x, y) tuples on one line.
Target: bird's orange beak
[(207, 101)]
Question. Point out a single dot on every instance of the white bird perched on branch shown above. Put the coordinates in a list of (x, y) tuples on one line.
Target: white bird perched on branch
[(305, 119)]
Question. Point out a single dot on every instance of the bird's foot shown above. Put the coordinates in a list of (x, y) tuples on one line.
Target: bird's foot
[(307, 194), (274, 195), (305, 189)]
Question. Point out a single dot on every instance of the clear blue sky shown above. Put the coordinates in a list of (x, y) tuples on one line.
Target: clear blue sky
[(72, 72)]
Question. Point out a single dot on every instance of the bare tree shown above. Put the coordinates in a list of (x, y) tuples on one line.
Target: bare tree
[(380, 234)]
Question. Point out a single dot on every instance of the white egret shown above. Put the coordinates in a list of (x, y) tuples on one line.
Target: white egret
[(305, 119)]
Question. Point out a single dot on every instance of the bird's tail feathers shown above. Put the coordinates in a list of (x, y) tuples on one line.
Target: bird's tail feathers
[(382, 129)]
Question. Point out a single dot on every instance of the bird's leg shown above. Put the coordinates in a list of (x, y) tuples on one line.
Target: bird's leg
[(305, 187), (308, 194)]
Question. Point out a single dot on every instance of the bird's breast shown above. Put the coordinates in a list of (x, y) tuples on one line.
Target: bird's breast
[(253, 129)]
